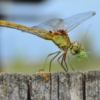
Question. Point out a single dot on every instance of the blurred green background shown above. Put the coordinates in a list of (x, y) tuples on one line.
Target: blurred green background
[(26, 53)]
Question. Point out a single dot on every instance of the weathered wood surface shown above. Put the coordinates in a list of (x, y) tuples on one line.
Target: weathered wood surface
[(92, 84), (60, 86)]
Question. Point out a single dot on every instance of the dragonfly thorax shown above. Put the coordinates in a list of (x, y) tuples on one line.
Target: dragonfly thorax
[(61, 39), (76, 48)]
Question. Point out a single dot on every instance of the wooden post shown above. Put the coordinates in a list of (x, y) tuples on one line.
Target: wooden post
[(55, 86)]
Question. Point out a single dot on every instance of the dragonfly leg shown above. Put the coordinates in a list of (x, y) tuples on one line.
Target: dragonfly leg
[(64, 56), (47, 58), (70, 64), (61, 63), (53, 59)]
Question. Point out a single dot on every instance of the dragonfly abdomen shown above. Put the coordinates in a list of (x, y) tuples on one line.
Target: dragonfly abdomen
[(39, 32)]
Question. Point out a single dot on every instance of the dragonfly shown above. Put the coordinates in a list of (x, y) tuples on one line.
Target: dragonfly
[(57, 30)]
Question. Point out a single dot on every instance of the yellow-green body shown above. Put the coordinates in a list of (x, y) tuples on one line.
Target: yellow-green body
[(62, 41)]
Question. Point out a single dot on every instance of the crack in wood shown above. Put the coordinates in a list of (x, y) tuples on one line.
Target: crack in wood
[(50, 85), (58, 87), (29, 89), (84, 87)]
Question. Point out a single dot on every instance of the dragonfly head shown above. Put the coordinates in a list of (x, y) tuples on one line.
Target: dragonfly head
[(77, 49)]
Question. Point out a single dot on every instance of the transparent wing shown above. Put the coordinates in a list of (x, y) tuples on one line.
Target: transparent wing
[(67, 24), (73, 21), (53, 25)]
